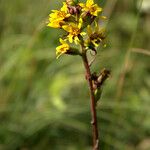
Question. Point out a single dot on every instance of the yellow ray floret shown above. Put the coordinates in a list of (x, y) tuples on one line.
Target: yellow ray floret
[(63, 48), (64, 7), (90, 7)]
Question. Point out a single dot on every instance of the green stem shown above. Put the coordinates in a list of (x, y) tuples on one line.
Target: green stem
[(93, 103)]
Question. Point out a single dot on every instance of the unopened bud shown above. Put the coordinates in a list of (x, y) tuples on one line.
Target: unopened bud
[(72, 2)]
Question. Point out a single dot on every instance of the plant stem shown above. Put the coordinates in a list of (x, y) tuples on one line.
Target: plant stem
[(93, 103)]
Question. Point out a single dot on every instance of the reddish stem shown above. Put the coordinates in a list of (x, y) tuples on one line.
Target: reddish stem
[(93, 103)]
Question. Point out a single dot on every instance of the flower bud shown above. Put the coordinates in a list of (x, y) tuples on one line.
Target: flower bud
[(72, 2)]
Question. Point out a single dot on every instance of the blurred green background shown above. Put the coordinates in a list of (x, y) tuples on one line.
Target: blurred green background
[(44, 102)]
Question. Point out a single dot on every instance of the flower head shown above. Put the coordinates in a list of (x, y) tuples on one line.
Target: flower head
[(90, 7), (74, 30), (56, 19), (95, 37), (63, 48)]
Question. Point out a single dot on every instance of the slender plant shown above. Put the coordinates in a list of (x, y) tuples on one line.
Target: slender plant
[(80, 21)]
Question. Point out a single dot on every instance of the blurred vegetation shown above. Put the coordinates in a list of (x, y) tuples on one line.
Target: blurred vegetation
[(44, 102)]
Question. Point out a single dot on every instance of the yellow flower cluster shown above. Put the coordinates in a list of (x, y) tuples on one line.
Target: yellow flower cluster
[(56, 19), (70, 19)]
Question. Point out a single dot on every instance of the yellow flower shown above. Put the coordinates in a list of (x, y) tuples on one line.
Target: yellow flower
[(90, 7), (96, 36), (74, 31), (62, 49), (56, 19)]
